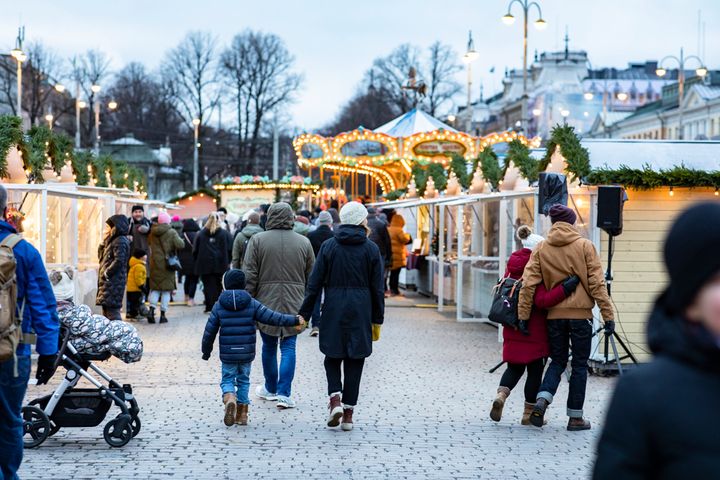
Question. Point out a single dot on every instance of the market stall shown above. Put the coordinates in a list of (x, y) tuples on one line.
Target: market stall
[(240, 194)]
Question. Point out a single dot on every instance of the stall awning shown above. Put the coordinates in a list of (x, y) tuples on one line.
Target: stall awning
[(414, 121)]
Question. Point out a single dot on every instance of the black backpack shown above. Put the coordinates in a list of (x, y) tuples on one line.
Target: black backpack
[(504, 308)]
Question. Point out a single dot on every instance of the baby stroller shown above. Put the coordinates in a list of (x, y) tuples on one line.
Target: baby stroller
[(68, 406)]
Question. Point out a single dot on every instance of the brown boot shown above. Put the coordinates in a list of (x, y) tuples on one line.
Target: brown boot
[(526, 413), (230, 402), (347, 423), (241, 416), (578, 424), (335, 411), (499, 403)]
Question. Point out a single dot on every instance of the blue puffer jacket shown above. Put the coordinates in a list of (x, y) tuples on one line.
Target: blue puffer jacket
[(235, 314)]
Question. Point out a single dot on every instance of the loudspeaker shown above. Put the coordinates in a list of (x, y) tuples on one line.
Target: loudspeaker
[(552, 190), (610, 208)]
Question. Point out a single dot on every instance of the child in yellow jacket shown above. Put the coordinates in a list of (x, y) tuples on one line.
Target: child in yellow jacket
[(137, 276)]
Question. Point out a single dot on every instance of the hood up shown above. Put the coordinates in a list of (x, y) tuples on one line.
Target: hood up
[(562, 234), (234, 300), (159, 229), (351, 234), (119, 224), (517, 261), (136, 261), (280, 217), (190, 225)]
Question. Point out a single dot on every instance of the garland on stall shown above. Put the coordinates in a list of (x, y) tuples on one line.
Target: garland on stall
[(459, 166), (11, 135), (44, 153), (200, 191), (519, 154), (647, 178), (80, 162), (395, 194), (489, 166), (421, 175), (576, 156)]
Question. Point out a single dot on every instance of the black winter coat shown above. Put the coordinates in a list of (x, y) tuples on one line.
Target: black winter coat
[(234, 315), (663, 421), (379, 234), (212, 253), (114, 256), (190, 231), (140, 232), (349, 268), (318, 236)]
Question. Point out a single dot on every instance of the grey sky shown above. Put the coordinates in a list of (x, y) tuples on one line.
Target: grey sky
[(335, 41)]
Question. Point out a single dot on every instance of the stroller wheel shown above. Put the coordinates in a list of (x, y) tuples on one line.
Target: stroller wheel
[(117, 432), (36, 426), (135, 425)]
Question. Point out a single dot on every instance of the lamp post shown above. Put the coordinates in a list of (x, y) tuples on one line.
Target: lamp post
[(96, 89), (701, 71), (49, 118), (196, 166), (589, 95), (540, 24), (470, 56), (20, 56)]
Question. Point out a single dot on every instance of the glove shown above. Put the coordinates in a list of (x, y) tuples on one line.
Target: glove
[(206, 356), (570, 284), (609, 327), (523, 327), (376, 332), (45, 368)]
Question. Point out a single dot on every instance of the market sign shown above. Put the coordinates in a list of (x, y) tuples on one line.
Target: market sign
[(438, 147), (240, 201), (312, 150), (363, 148)]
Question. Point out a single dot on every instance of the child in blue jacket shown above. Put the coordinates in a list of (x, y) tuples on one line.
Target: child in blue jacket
[(234, 315)]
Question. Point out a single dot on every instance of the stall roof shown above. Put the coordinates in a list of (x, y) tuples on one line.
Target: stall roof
[(414, 121), (660, 154)]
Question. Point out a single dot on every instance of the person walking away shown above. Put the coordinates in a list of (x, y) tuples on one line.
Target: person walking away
[(164, 242), (334, 213), (563, 254), (663, 422), (243, 237), (189, 232), (235, 316), (137, 276), (114, 255), (526, 348), (277, 264), (28, 303), (350, 268), (212, 252), (317, 237), (139, 229), (380, 236), (398, 240), (301, 225)]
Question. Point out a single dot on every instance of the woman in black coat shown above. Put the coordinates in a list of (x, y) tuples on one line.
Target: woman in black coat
[(348, 267), (190, 230), (212, 251), (114, 254)]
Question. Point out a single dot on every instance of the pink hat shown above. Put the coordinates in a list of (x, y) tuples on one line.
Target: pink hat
[(163, 218), (176, 218)]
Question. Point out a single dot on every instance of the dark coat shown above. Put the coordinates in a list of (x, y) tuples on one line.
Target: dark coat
[(114, 256), (212, 252), (164, 241), (663, 420), (190, 231), (379, 234), (349, 269), (140, 232), (234, 315), (520, 348), (318, 236)]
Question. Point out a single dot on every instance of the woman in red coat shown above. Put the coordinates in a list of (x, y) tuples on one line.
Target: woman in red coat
[(527, 348)]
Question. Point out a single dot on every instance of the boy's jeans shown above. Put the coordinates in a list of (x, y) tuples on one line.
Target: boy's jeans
[(12, 391), (278, 382), (236, 379)]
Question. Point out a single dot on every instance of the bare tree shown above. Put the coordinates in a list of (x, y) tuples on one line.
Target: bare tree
[(442, 66), (86, 70), (369, 109), (40, 74)]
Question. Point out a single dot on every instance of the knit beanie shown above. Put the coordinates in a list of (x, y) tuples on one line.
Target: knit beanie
[(176, 218), (689, 256), (325, 219), (234, 279), (561, 213), (528, 238), (353, 213), (163, 218), (137, 207)]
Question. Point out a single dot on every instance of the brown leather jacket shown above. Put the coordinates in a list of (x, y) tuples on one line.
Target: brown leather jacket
[(566, 253)]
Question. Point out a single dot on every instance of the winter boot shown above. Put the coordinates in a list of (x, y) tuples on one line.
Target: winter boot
[(347, 422), (335, 410), (526, 413), (163, 318), (151, 315), (578, 424), (537, 416), (241, 416), (230, 402), (499, 403)]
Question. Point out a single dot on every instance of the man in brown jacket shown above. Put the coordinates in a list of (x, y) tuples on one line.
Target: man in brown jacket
[(277, 266), (566, 253)]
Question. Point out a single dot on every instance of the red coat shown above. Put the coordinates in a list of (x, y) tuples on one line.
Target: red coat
[(523, 349)]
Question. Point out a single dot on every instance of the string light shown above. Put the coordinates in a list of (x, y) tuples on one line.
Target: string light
[(672, 193)]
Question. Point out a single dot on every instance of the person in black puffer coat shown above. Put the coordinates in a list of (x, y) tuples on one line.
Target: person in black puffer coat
[(350, 271), (212, 251), (189, 232), (114, 255), (235, 315), (663, 421)]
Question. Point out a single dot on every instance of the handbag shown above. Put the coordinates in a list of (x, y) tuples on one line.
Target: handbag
[(172, 262), (504, 308)]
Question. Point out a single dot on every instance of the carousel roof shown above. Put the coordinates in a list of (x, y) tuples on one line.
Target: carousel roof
[(414, 121)]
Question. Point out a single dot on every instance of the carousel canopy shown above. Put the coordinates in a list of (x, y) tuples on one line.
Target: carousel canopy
[(412, 122)]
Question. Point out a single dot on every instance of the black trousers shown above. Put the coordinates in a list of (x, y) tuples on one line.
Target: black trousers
[(514, 372), (111, 313), (212, 287), (352, 370), (190, 286), (395, 280), (134, 300)]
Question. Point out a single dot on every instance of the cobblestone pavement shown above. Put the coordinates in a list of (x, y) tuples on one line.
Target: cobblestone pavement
[(422, 413)]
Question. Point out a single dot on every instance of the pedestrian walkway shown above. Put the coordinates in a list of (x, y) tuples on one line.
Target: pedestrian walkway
[(423, 413)]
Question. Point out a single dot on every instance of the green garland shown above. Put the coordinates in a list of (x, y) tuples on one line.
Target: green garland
[(489, 166), (206, 191), (647, 178), (11, 135), (100, 166), (437, 172), (394, 195), (576, 156), (42, 146), (519, 154), (459, 166), (80, 161)]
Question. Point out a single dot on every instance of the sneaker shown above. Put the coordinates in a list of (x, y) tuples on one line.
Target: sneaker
[(347, 423), (314, 332), (260, 392), (335, 411), (285, 402), (191, 303), (578, 424)]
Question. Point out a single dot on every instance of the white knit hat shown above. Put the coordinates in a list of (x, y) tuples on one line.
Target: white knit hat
[(528, 238), (353, 213), (62, 285)]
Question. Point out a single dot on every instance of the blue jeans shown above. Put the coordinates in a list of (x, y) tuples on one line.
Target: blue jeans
[(278, 382), (236, 379), (12, 392), (316, 312)]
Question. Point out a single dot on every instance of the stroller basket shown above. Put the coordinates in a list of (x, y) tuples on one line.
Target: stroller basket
[(79, 408)]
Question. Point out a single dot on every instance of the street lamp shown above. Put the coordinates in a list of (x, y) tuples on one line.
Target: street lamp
[(60, 88), (20, 56), (565, 113), (470, 56), (701, 71), (49, 117), (622, 96), (540, 24), (196, 166), (112, 104), (588, 95)]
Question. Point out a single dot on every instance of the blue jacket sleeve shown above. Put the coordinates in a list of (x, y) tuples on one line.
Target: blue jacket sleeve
[(315, 283), (377, 288), (270, 317), (39, 303), (211, 329)]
